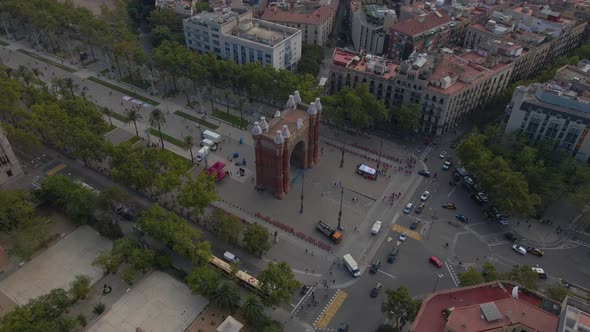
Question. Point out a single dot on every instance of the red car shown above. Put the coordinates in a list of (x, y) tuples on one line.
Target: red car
[(434, 260)]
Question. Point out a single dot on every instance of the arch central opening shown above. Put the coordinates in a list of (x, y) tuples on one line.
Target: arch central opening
[(297, 160)]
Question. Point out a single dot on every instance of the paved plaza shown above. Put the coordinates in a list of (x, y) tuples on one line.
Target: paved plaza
[(157, 303), (57, 266)]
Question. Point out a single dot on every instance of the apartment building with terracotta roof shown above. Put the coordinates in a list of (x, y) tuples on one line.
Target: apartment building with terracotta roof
[(448, 85), (545, 34), (349, 68), (315, 19), (423, 33)]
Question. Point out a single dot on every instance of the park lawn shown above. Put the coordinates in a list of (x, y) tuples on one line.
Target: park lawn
[(133, 140), (168, 138), (118, 116), (51, 62), (197, 120), (124, 91), (144, 84), (234, 120)]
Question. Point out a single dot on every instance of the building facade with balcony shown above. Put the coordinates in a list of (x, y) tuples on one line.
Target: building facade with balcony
[(448, 85), (556, 111), (235, 35), (315, 19)]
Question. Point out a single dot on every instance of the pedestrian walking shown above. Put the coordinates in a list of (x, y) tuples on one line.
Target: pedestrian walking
[(530, 226)]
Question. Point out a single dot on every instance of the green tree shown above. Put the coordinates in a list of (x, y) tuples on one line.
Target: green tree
[(159, 34), (491, 273), (75, 201), (196, 194), (120, 252), (470, 277), (357, 107), (44, 313), (278, 281), (227, 296), (407, 117), (557, 292), (165, 17), (80, 287), (133, 117), (15, 209), (524, 275), (31, 234), (399, 305), (203, 280), (256, 239), (252, 309), (312, 57), (157, 119), (227, 226), (142, 259)]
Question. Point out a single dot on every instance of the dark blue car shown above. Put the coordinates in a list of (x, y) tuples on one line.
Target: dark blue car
[(462, 218)]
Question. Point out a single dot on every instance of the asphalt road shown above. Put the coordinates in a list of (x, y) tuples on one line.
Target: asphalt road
[(469, 245)]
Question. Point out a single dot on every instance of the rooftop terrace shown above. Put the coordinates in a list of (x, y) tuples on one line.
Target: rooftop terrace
[(371, 64)]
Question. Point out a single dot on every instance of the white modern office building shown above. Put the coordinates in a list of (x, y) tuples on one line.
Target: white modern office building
[(370, 24), (558, 111), (234, 34)]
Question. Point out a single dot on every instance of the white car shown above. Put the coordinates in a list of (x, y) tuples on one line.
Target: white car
[(443, 155), (446, 165), (376, 227), (425, 196), (403, 236), (519, 249)]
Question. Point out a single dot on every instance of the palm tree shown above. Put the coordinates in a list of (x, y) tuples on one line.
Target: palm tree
[(157, 118), (227, 296), (106, 111), (133, 116), (188, 140), (252, 309)]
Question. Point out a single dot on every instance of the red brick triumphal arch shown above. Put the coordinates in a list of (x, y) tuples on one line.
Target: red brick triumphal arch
[(292, 135)]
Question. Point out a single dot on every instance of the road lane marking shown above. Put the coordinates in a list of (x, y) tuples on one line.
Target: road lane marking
[(56, 169), (411, 233), (330, 310), (499, 244), (387, 274), (452, 275), (453, 190), (311, 289)]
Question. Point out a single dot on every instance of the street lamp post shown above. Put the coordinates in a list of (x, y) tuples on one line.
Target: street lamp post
[(379, 159), (302, 180), (340, 212), (342, 158)]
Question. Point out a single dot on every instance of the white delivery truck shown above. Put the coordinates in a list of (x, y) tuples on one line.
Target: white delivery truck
[(208, 134), (207, 142), (351, 265), (376, 227), (202, 154)]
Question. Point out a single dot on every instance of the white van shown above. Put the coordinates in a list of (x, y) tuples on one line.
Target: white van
[(351, 265), (207, 142), (208, 134), (376, 227), (202, 154), (228, 256)]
